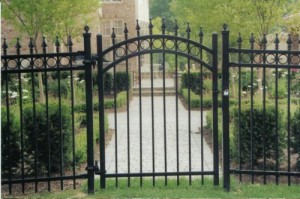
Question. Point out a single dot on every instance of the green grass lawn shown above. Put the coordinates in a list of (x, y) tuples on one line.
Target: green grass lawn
[(184, 190)]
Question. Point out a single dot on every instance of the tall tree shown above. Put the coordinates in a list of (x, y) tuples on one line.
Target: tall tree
[(47, 17), (162, 9)]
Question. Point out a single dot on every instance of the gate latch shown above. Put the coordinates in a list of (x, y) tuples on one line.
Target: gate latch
[(226, 92)]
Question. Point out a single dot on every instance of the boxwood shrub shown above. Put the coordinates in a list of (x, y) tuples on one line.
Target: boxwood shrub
[(264, 134), (10, 139), (59, 129), (295, 131)]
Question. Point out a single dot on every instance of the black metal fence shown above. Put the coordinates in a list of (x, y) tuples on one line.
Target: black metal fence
[(49, 121), (261, 111), (41, 93)]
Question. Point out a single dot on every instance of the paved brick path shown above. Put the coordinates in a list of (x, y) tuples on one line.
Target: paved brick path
[(159, 139)]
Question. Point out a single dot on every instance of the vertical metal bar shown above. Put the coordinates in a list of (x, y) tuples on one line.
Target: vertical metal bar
[(115, 106), (70, 44), (215, 108), (164, 101), (264, 114), (276, 116), (59, 115), (176, 89), (101, 112), (225, 108), (18, 46), (44, 45), (127, 104), (188, 30), (31, 45), (4, 46), (251, 122), (140, 104), (239, 107), (89, 109), (152, 103), (201, 106), (289, 42)]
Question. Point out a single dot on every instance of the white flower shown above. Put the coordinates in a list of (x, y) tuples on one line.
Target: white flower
[(25, 91), (25, 97)]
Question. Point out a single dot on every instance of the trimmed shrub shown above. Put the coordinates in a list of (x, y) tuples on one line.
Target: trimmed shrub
[(10, 138), (108, 83), (196, 101), (264, 134), (295, 131), (59, 129), (62, 74), (122, 81), (191, 81), (54, 91)]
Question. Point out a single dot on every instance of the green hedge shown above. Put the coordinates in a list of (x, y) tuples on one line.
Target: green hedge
[(53, 88), (195, 100), (59, 129), (108, 103), (295, 131), (10, 139), (263, 134), (122, 81)]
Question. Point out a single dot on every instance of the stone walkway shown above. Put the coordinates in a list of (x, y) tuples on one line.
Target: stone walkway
[(134, 147)]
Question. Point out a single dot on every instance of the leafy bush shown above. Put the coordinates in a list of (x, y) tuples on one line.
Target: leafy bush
[(10, 138), (191, 81), (264, 134), (54, 91), (281, 89), (62, 74), (295, 131), (108, 83), (246, 79), (122, 81), (59, 129), (195, 101)]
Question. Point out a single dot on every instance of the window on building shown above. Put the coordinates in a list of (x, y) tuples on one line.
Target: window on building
[(107, 26)]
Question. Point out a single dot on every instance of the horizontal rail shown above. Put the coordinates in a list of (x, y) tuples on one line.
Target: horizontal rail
[(258, 172), (43, 179)]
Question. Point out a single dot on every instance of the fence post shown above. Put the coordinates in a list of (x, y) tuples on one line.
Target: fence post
[(101, 111), (225, 108), (89, 108), (215, 107)]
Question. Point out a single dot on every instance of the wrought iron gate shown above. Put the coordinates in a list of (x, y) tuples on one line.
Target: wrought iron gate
[(145, 155)]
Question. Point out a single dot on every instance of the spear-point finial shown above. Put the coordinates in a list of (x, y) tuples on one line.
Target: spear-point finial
[(276, 41), (31, 45), (201, 34), (113, 36), (125, 31), (252, 40), (188, 30), (289, 42), (138, 28), (70, 43), (163, 26), (44, 43), (18, 45), (264, 41), (4, 45), (150, 26), (57, 44), (225, 27), (176, 27), (240, 40), (86, 28)]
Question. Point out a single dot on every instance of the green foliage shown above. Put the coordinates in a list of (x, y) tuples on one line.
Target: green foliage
[(36, 131), (122, 81), (62, 74), (108, 103), (108, 82), (246, 80), (53, 88), (36, 17), (195, 100), (281, 89), (10, 139), (263, 134), (295, 131), (161, 9), (191, 81)]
